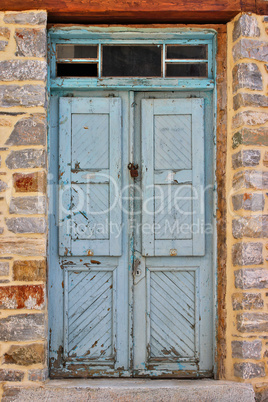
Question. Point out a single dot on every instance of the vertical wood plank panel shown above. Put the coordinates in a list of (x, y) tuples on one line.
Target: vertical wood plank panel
[(198, 175), (147, 116), (65, 110)]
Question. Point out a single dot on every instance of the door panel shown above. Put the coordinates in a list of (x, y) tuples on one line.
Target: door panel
[(172, 141), (98, 124), (90, 315), (90, 176), (173, 314), (173, 176)]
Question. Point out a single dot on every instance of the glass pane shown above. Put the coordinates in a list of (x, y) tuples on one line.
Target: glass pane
[(76, 51), (187, 52), (131, 61), (77, 70), (186, 70)]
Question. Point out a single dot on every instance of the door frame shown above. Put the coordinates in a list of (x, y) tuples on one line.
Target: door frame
[(80, 35)]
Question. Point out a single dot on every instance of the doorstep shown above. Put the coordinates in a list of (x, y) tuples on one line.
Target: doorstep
[(126, 390)]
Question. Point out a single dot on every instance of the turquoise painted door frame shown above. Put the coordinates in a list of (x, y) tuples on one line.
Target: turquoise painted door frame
[(118, 303)]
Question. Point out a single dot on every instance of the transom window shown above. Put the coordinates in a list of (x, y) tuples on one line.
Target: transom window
[(160, 60)]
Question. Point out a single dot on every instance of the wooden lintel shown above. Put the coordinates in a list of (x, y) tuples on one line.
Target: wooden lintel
[(262, 7), (136, 11), (141, 17)]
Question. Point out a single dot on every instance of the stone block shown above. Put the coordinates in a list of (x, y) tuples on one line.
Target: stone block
[(11, 375), (252, 322), (38, 375), (247, 254), (248, 202), (249, 370), (246, 136), (251, 278), (26, 95), (247, 75), (5, 32), (26, 225), (25, 355), (255, 226), (23, 246), (246, 158), (4, 268), (246, 25), (28, 205), (22, 296), (22, 327), (30, 182), (29, 270), (29, 131), (250, 179), (247, 301), (125, 390), (3, 185), (250, 49), (265, 159), (30, 42), (19, 70), (26, 158), (25, 18), (249, 100), (246, 350), (249, 118), (3, 44)]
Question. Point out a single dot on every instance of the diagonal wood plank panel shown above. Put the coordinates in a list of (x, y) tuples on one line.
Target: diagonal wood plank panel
[(91, 220), (173, 148), (173, 216), (90, 141), (172, 314), (90, 314)]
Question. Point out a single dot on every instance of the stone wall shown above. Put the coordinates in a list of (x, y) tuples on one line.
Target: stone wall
[(247, 185), (23, 71)]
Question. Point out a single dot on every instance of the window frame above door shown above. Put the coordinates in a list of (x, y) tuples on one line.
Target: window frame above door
[(127, 36)]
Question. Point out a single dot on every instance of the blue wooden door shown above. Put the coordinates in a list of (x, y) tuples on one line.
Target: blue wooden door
[(173, 277), (89, 333), (133, 267)]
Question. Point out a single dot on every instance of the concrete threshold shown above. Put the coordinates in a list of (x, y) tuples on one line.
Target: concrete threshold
[(125, 390)]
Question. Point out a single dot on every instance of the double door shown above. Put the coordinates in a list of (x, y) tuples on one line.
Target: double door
[(131, 279)]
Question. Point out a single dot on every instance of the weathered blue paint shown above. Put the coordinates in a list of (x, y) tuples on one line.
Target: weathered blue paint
[(137, 331), (90, 179), (164, 276), (173, 175), (139, 84)]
